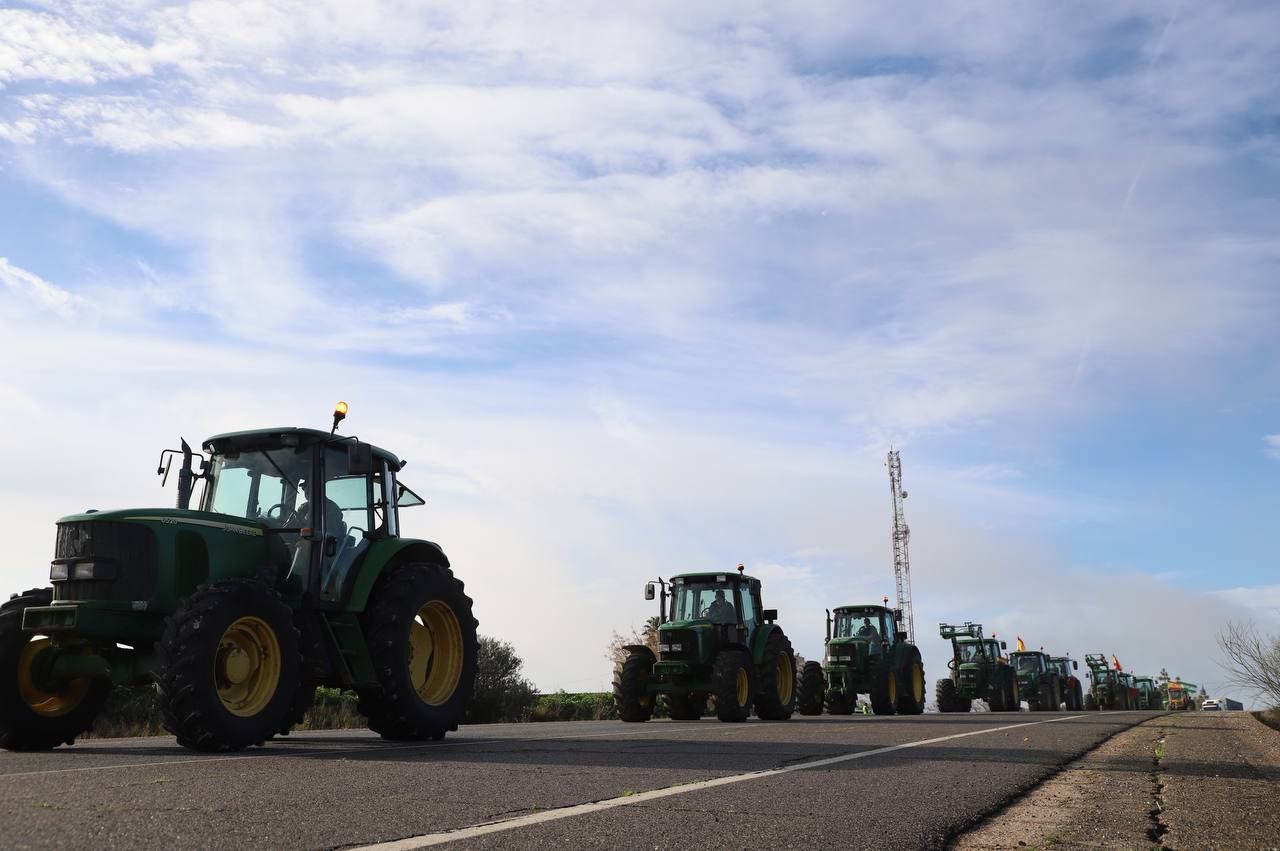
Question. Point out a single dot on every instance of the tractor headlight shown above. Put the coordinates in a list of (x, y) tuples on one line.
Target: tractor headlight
[(670, 648), (84, 570), (677, 647), (57, 572), (664, 648)]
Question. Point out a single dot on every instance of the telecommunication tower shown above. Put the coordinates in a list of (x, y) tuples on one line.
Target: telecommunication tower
[(901, 534)]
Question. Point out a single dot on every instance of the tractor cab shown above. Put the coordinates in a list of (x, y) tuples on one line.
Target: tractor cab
[(1064, 665), (726, 605), (319, 499), (874, 626)]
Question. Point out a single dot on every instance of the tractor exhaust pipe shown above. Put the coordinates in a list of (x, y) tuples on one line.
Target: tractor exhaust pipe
[(186, 479)]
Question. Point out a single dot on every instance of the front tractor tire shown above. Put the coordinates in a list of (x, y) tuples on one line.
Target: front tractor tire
[(884, 689), (911, 684), (776, 697), (813, 686), (733, 684), (228, 666), (34, 715), (631, 686), (947, 697), (422, 640)]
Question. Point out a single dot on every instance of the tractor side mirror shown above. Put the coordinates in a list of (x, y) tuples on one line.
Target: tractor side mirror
[(359, 458), (1075, 665), (1004, 645), (648, 591), (769, 615)]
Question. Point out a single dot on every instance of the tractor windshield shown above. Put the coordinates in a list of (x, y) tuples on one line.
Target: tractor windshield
[(711, 601), (970, 651), (1029, 664), (863, 623), (269, 486)]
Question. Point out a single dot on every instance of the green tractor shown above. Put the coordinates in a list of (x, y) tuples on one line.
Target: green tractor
[(867, 653), (1038, 682), (1148, 693), (978, 672), (1072, 689), (716, 640), (291, 574), (1106, 689)]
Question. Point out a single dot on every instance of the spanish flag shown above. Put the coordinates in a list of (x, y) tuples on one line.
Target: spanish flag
[(1021, 647), (1116, 662)]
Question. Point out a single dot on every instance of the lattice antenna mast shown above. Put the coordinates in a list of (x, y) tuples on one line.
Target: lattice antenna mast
[(901, 535)]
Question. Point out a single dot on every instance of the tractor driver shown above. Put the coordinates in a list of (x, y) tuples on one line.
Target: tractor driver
[(868, 629), (721, 611)]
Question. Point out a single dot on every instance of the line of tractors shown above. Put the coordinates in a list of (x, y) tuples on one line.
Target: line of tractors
[(290, 573), (716, 641)]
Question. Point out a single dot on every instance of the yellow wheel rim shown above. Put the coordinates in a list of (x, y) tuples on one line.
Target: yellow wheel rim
[(742, 687), (435, 653), (893, 689), (786, 678), (50, 704), (246, 668), (917, 682)]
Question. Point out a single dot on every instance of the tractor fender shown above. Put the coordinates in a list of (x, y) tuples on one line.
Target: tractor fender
[(382, 556), (639, 648), (760, 638)]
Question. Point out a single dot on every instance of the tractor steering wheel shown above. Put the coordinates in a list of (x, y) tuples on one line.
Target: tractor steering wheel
[(278, 508)]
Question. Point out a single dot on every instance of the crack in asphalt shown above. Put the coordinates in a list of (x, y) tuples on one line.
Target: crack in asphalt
[(1158, 828)]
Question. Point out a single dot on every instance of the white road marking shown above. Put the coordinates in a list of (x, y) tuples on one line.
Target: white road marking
[(280, 753), (429, 839)]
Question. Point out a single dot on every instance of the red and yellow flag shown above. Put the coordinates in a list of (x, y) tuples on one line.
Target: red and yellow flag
[(1021, 647), (1116, 662)]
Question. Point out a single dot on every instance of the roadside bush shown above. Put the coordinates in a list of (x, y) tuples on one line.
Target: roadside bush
[(501, 693), (130, 711), (333, 709), (582, 706)]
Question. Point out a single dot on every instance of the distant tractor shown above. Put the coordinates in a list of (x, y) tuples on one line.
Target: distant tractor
[(291, 574), (1180, 696), (867, 653), (978, 672), (716, 640), (1148, 693), (1072, 688), (1038, 682), (1130, 687), (1106, 690)]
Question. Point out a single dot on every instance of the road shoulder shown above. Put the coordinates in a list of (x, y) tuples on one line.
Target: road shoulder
[(1182, 780)]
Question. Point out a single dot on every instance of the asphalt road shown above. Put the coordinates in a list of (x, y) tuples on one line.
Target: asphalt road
[(846, 782)]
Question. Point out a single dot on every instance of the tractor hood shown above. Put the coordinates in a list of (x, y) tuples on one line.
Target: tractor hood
[(850, 651), (172, 517)]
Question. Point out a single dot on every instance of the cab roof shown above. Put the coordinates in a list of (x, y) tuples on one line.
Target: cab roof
[(240, 441), (861, 607), (714, 576)]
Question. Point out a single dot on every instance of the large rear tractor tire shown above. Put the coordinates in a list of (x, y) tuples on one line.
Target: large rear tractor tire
[(1090, 703), (733, 684), (884, 689), (422, 640), (813, 687), (228, 666), (33, 715), (998, 693), (776, 679), (631, 687), (683, 707), (911, 684)]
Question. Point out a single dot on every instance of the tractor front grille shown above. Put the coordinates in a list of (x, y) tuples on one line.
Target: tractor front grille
[(685, 639), (131, 547)]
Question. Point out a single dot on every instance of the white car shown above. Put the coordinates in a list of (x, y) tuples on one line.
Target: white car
[(1210, 705)]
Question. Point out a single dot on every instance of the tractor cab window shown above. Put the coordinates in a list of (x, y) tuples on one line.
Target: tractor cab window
[(1028, 664), (887, 627), (748, 608), (356, 510), (269, 486), (706, 600), (969, 651)]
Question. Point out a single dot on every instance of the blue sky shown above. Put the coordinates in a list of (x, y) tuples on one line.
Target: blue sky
[(639, 290)]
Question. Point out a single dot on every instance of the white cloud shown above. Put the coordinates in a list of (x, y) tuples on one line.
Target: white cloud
[(28, 285), (1272, 445)]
